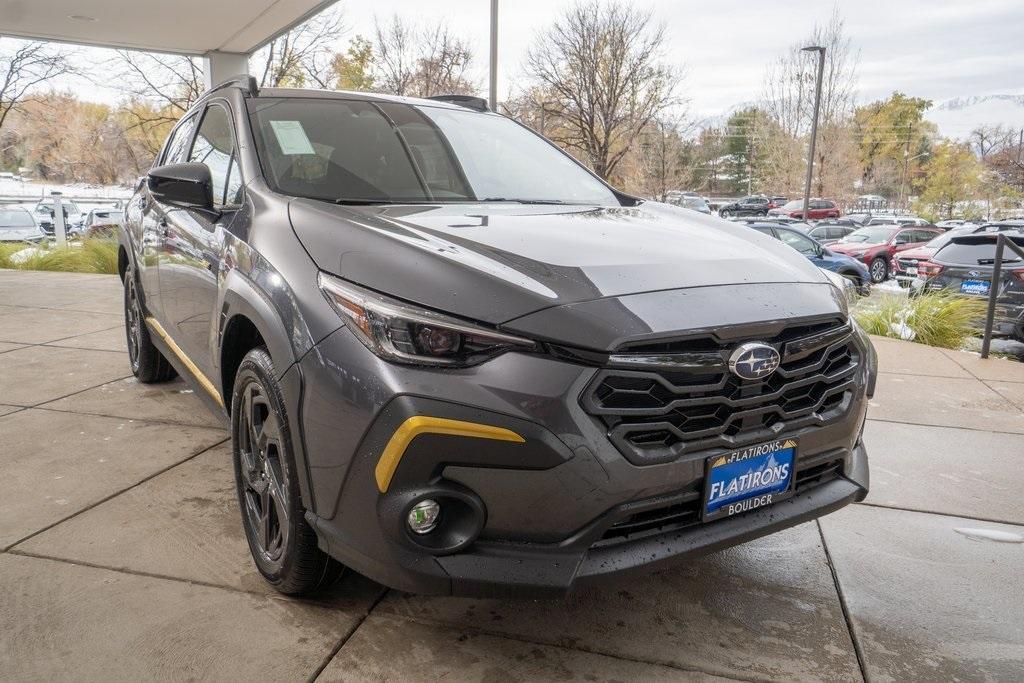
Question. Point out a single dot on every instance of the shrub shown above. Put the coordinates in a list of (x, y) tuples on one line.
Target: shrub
[(89, 256), (937, 318)]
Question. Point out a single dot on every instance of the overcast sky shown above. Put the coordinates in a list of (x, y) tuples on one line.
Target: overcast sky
[(936, 49)]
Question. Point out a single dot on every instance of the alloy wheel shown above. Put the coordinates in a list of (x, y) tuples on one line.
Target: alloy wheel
[(265, 503), (132, 320), (878, 270)]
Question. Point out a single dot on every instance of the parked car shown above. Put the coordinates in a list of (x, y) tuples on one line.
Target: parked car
[(102, 222), (875, 245), (829, 232), (965, 265), (901, 220), (430, 329), (817, 209), (72, 217), (695, 203), (748, 206), (819, 255), (858, 219), (904, 264), (786, 220), (18, 225)]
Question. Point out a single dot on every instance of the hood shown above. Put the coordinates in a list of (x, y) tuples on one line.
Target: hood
[(19, 234), (495, 262)]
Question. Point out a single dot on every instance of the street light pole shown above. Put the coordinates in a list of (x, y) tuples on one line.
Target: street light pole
[(814, 123), (493, 93)]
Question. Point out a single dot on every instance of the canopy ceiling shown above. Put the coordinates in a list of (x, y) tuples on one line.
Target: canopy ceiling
[(182, 26)]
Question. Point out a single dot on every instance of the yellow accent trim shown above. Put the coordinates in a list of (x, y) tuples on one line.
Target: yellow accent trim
[(421, 424), (204, 382)]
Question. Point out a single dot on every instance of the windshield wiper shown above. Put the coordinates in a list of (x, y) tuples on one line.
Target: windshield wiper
[(521, 201), (362, 202)]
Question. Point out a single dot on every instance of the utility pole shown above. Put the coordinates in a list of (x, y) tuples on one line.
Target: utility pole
[(814, 123), (493, 92)]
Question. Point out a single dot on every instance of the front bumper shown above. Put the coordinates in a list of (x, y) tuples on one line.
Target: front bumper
[(552, 504)]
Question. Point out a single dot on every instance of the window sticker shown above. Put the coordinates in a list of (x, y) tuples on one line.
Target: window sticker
[(291, 137)]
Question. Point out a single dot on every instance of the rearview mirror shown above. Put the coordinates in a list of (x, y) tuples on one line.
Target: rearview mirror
[(187, 186)]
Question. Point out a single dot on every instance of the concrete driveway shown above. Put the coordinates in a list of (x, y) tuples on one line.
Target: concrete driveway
[(123, 556)]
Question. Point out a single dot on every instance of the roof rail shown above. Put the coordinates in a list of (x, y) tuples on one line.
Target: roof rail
[(244, 81), (470, 101)]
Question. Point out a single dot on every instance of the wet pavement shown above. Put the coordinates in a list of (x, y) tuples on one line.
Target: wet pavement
[(123, 558)]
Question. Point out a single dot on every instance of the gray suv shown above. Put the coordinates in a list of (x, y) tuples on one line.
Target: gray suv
[(456, 361)]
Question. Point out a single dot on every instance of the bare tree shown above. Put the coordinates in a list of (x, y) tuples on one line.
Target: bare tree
[(420, 61), (788, 95), (986, 140), (661, 159), (172, 83), (600, 62), (303, 55), (160, 88), (25, 65)]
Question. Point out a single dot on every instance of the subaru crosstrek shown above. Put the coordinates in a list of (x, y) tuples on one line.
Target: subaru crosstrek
[(456, 361)]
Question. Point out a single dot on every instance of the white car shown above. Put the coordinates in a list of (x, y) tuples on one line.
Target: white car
[(18, 225)]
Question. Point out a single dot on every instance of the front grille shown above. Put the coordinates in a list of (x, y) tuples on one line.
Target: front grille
[(688, 400), (905, 263), (683, 510)]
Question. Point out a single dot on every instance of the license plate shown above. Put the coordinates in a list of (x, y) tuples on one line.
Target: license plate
[(979, 287), (749, 478), (911, 270)]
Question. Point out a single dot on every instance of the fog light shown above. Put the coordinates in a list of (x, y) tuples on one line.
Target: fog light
[(423, 516)]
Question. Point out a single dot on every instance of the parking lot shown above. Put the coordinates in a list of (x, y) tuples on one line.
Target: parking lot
[(123, 555)]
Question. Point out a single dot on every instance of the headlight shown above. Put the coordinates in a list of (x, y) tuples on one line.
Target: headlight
[(405, 333)]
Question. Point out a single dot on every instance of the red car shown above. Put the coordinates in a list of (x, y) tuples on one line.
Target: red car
[(876, 245), (817, 209)]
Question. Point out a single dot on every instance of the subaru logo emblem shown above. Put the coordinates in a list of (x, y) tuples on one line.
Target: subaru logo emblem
[(754, 360)]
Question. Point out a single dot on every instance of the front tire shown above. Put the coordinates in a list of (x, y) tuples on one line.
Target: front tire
[(283, 545), (879, 270), (724, 214), (148, 364)]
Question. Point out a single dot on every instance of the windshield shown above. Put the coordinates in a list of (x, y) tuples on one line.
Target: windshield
[(794, 205), (16, 218), (870, 235), (389, 152)]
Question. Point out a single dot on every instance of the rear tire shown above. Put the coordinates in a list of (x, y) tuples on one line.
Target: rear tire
[(879, 270), (283, 545), (148, 364)]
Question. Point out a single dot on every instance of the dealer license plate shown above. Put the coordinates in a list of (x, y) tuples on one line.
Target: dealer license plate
[(979, 287), (748, 478)]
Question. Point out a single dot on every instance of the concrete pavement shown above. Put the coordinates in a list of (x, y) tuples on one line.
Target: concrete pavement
[(123, 556)]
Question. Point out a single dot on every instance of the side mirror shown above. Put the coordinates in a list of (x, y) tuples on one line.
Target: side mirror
[(187, 186)]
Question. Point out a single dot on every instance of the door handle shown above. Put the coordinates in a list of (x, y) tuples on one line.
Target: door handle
[(165, 228)]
